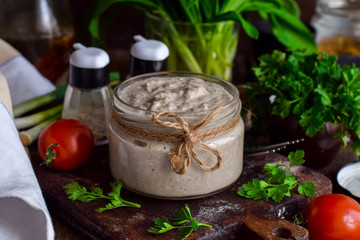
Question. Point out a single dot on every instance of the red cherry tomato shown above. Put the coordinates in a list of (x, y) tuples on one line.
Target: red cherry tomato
[(333, 217), (70, 140)]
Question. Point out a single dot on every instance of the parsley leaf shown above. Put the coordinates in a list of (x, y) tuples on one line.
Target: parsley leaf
[(279, 183), (161, 226), (278, 192), (306, 188), (180, 218), (255, 190), (76, 192), (297, 158), (185, 232)]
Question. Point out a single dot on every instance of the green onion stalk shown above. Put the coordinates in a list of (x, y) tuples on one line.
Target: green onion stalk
[(202, 35), (201, 47), (27, 106), (36, 118), (31, 117), (31, 134)]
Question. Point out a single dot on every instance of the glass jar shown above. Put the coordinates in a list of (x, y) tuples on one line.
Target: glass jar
[(337, 27), (42, 30), (208, 48), (144, 165)]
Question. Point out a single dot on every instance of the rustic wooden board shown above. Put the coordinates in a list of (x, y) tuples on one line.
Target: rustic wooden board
[(232, 216)]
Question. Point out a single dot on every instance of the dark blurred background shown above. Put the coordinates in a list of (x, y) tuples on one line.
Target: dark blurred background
[(129, 22)]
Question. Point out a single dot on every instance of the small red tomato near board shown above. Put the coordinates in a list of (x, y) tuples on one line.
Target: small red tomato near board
[(65, 144), (333, 217)]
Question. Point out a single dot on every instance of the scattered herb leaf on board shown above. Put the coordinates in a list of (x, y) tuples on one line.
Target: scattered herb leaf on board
[(76, 192), (179, 219), (280, 182)]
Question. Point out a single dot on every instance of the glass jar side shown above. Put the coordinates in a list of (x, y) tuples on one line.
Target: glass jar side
[(143, 165), (208, 48), (337, 27), (42, 30)]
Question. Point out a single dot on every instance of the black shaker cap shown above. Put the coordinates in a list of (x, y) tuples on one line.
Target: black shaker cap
[(89, 67)]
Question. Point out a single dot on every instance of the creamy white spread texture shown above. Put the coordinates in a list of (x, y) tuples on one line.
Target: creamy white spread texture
[(175, 94)]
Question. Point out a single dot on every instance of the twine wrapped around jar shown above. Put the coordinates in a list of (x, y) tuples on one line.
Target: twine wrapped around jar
[(181, 158)]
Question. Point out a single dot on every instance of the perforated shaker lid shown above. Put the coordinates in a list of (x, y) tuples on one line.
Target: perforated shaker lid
[(149, 49), (89, 67), (348, 177)]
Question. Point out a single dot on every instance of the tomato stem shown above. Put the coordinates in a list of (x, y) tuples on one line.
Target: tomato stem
[(50, 154)]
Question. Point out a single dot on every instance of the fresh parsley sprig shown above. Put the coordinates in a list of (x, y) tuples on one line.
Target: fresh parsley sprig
[(77, 192), (280, 182), (312, 88), (180, 218)]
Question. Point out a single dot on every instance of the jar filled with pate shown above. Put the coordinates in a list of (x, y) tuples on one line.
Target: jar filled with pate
[(176, 135)]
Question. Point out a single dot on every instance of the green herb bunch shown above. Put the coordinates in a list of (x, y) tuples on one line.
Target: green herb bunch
[(312, 88), (280, 182), (183, 221), (282, 15), (76, 192)]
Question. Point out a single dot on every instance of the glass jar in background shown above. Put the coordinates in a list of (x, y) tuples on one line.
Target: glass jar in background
[(41, 30), (337, 27), (208, 48), (143, 163)]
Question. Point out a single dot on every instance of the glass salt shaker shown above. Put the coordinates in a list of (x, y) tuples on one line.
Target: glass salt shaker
[(88, 96)]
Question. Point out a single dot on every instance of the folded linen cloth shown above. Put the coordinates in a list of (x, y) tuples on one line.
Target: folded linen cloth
[(5, 97), (23, 212), (24, 80)]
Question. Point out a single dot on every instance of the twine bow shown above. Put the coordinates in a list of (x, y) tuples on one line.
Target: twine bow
[(189, 138), (181, 158)]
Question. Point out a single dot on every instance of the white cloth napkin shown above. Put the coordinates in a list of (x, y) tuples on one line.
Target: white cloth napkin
[(23, 212), (24, 80)]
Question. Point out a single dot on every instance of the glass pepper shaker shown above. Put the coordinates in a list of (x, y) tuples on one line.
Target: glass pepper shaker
[(88, 95), (147, 55)]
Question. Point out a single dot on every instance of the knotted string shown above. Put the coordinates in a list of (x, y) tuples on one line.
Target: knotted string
[(181, 158)]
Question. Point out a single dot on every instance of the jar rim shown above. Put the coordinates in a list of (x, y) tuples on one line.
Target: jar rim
[(227, 86), (338, 8)]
